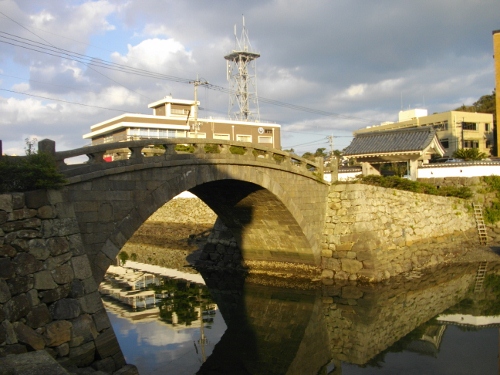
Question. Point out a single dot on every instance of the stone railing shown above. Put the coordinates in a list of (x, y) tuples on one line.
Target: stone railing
[(168, 148)]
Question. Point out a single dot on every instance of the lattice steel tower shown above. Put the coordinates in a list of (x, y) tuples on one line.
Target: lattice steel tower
[(241, 74)]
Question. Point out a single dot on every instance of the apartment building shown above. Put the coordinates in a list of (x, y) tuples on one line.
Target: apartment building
[(454, 129)]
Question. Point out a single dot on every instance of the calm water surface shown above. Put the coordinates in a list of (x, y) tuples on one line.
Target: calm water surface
[(442, 321)]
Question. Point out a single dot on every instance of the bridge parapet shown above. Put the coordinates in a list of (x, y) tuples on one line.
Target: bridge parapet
[(169, 149)]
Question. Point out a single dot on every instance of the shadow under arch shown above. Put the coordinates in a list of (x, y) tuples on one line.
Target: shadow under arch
[(263, 227)]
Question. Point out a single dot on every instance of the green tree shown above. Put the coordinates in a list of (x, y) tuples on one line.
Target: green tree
[(319, 152), (469, 154), (123, 256), (31, 172), (485, 104)]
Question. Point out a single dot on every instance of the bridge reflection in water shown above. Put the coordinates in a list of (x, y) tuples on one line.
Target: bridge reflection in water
[(275, 327)]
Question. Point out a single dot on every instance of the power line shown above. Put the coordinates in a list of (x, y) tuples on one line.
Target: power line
[(118, 83), (89, 61), (322, 140), (50, 49), (64, 101)]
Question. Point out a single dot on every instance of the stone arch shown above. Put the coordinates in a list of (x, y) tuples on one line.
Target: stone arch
[(123, 199)]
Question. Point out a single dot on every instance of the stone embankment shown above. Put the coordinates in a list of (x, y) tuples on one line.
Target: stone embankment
[(172, 233), (373, 233), (48, 297), (483, 194), (365, 319)]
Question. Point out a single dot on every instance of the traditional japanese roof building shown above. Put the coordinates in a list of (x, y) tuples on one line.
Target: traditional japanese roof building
[(411, 145)]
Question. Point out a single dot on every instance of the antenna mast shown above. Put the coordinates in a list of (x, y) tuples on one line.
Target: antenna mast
[(241, 74)]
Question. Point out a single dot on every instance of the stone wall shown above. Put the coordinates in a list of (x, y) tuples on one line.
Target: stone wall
[(364, 320), (48, 298), (172, 233), (482, 195), (374, 233)]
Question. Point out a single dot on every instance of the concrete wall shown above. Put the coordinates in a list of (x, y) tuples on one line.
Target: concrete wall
[(373, 233), (48, 297)]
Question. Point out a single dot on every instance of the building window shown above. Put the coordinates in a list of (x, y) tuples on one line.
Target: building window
[(445, 143), (197, 135), (441, 126), (471, 144), (108, 139), (265, 139), (222, 136), (469, 126), (178, 133), (243, 138), (486, 127), (176, 111)]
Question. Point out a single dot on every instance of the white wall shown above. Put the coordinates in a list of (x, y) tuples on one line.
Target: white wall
[(470, 169), (342, 176)]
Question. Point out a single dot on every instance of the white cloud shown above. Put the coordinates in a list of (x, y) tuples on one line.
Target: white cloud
[(156, 54), (359, 59)]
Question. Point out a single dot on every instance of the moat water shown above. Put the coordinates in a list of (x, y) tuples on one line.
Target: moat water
[(445, 320)]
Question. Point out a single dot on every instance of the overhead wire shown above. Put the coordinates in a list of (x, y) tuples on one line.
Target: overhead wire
[(64, 101), (111, 79), (91, 62)]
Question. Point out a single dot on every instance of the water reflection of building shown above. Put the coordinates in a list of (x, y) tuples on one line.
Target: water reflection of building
[(142, 295), (429, 342), (130, 287), (470, 320)]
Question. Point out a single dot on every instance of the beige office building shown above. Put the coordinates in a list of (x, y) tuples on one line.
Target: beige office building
[(455, 129), (178, 118), (496, 57)]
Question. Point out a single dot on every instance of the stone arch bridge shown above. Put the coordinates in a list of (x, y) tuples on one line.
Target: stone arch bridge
[(273, 202)]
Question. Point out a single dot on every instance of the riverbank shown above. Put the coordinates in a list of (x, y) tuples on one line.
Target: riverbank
[(173, 236)]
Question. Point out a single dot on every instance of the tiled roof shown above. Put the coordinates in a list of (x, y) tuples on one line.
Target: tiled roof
[(401, 140)]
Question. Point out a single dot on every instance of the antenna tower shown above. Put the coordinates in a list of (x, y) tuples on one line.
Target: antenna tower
[(241, 74)]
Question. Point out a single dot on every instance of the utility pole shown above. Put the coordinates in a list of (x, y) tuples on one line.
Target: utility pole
[(330, 139), (196, 83)]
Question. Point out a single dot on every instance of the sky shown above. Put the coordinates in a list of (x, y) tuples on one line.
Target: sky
[(347, 63)]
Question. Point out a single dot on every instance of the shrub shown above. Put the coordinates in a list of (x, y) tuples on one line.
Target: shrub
[(184, 148), (237, 150), (212, 149), (30, 172), (492, 213), (469, 154), (395, 182)]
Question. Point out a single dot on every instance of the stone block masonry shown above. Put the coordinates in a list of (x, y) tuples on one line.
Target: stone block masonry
[(373, 233), (48, 297)]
